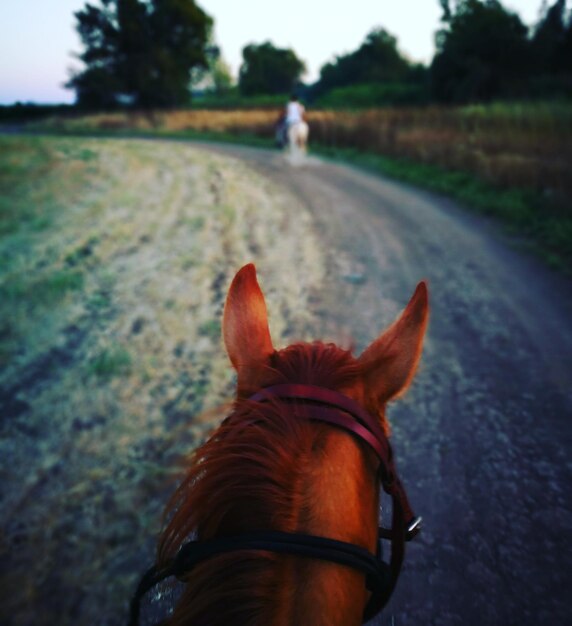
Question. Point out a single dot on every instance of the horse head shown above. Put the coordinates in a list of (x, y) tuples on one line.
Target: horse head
[(282, 503), (381, 373)]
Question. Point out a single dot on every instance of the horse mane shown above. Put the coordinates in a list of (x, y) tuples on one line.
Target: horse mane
[(251, 475)]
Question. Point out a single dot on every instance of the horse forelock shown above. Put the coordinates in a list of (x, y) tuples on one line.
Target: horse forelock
[(317, 363), (252, 474)]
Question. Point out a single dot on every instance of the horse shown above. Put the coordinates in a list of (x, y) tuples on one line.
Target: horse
[(276, 522), (298, 137)]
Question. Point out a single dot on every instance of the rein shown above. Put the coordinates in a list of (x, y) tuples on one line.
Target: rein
[(323, 405)]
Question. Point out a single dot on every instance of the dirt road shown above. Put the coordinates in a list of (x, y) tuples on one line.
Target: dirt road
[(112, 290), (484, 437)]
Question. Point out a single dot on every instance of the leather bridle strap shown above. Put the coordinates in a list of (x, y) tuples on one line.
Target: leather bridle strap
[(325, 405), (323, 548), (313, 393), (316, 406), (335, 418)]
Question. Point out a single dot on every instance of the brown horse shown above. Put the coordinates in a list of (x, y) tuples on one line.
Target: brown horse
[(290, 465)]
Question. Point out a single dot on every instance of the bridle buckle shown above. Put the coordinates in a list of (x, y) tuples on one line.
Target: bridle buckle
[(411, 531), (413, 528)]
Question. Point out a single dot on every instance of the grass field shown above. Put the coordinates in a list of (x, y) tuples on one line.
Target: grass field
[(509, 161), (114, 261), (528, 145)]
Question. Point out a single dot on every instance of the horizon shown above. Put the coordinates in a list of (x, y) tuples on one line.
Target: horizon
[(35, 75)]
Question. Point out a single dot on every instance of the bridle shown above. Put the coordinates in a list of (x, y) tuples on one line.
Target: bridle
[(331, 407)]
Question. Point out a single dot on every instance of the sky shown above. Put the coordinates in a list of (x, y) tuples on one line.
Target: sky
[(38, 38)]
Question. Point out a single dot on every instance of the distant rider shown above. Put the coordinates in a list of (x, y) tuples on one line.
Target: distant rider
[(294, 112)]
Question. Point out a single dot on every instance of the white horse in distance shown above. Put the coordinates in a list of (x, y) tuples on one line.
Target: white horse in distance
[(298, 138)]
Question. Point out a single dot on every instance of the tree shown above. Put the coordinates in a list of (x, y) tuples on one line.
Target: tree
[(222, 76), (376, 60), (550, 39), (551, 47), (217, 78), (482, 52), (269, 70), (446, 6), (140, 51)]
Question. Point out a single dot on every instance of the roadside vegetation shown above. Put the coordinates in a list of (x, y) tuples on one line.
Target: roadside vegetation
[(509, 161)]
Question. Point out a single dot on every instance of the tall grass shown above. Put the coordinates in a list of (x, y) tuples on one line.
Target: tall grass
[(523, 150), (523, 145), (527, 147)]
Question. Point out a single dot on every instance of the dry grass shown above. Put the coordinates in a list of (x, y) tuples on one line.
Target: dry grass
[(115, 257), (258, 122), (530, 149), (527, 146)]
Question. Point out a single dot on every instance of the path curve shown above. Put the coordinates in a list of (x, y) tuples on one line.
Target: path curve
[(483, 438)]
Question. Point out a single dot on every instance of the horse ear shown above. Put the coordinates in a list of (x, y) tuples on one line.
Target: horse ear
[(389, 363), (245, 322)]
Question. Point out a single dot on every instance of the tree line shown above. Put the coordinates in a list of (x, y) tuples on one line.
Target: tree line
[(485, 51), (147, 53)]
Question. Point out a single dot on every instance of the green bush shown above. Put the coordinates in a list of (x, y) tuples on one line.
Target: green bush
[(373, 95), (233, 100)]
